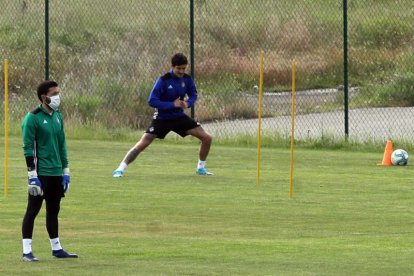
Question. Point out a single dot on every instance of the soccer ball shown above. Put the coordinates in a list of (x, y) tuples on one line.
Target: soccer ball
[(399, 157)]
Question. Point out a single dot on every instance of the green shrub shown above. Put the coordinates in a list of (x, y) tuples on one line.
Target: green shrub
[(392, 87), (383, 32), (109, 103), (398, 93)]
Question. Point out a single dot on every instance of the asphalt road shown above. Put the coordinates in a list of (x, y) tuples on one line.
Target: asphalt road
[(378, 124)]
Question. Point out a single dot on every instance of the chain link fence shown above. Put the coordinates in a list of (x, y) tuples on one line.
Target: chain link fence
[(106, 56)]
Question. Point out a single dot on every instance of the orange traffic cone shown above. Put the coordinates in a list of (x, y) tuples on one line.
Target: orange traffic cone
[(386, 160)]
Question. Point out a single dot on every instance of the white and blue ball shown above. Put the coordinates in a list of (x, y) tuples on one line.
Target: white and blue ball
[(399, 157)]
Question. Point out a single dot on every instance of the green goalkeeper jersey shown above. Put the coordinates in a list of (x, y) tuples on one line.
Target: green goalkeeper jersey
[(44, 140)]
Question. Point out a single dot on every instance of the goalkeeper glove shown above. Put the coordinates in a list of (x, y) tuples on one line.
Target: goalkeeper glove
[(66, 179), (34, 187)]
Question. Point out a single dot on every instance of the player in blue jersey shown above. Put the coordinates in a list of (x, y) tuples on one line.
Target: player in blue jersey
[(171, 94)]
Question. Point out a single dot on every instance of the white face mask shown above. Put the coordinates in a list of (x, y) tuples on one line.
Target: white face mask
[(54, 102)]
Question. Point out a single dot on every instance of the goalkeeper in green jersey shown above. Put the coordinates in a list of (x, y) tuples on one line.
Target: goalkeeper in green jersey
[(44, 148)]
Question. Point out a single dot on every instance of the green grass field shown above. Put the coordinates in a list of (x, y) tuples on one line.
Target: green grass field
[(347, 216)]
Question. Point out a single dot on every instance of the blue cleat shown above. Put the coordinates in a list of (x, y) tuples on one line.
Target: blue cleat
[(203, 171), (29, 257), (62, 254), (118, 174)]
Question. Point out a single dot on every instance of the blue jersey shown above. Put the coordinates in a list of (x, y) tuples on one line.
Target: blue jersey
[(166, 90)]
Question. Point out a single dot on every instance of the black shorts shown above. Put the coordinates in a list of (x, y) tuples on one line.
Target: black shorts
[(52, 186), (180, 125)]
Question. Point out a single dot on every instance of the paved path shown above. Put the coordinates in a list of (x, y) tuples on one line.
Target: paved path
[(377, 124)]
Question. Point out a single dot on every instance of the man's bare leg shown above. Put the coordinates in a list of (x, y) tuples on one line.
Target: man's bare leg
[(133, 153), (206, 141)]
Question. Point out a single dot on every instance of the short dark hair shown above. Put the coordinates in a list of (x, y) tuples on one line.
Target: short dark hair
[(44, 87), (179, 59)]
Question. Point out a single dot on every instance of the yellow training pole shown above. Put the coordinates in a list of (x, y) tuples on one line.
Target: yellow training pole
[(6, 128), (259, 130), (292, 140)]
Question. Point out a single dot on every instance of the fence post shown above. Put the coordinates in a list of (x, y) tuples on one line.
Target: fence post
[(192, 48), (46, 39), (346, 97)]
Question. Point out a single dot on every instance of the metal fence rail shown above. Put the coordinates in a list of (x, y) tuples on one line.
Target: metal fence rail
[(106, 56)]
